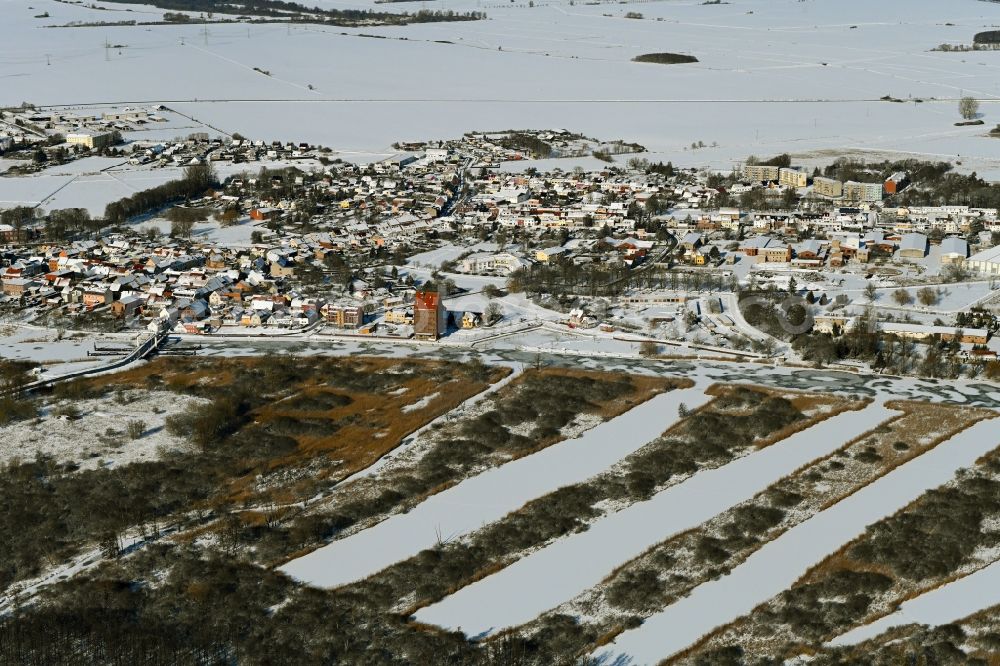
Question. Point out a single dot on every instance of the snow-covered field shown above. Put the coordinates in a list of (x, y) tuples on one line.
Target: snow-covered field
[(800, 76), (86, 440), (491, 495), (781, 562), (93, 182), (501, 600)]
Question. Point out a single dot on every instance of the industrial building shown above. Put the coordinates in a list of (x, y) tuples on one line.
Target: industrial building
[(913, 246), (987, 261)]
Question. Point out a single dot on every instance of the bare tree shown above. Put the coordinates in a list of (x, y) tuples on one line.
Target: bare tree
[(927, 296), (493, 313), (968, 107)]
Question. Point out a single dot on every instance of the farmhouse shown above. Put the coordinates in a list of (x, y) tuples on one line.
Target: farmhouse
[(127, 306), (17, 286)]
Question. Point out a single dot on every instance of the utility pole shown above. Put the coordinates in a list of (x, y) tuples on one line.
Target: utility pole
[(107, 50), (48, 59), (204, 32)]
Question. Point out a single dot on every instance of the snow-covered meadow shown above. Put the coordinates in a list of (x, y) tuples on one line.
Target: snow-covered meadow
[(91, 433), (772, 75)]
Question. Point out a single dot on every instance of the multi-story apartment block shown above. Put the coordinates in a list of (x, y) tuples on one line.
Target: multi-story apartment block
[(828, 187), (865, 192)]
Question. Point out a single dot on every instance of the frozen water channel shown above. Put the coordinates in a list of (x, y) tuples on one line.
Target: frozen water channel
[(777, 566), (492, 494), (571, 565), (964, 597)]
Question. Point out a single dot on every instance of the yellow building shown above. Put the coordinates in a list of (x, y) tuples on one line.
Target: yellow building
[(760, 172), (792, 177), (90, 140), (548, 254), (828, 187), (399, 316)]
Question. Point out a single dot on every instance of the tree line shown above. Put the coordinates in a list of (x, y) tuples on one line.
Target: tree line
[(197, 179), (299, 12)]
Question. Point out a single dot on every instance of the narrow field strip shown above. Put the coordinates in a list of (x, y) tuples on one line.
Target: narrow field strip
[(751, 419), (949, 603), (491, 495), (779, 564), (562, 570), (671, 569)]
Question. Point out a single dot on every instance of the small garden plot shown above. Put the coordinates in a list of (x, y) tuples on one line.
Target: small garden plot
[(947, 532), (671, 569)]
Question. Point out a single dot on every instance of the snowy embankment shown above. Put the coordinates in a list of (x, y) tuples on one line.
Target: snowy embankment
[(492, 494), (543, 580), (966, 596), (777, 566)]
